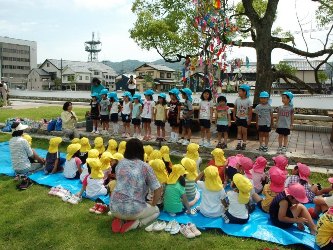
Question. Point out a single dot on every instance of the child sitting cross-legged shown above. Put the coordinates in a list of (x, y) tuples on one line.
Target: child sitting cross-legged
[(85, 147), (165, 151), (219, 161), (193, 153), (191, 190), (53, 162), (258, 174), (92, 153), (324, 237), (322, 203), (72, 168)]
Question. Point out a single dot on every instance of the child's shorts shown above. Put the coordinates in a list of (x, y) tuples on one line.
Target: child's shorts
[(94, 116), (173, 122), (204, 123), (222, 128), (234, 220), (114, 117), (136, 121), (146, 120), (105, 118), (187, 123), (275, 220), (125, 118), (264, 128), (241, 122), (159, 123), (283, 131)]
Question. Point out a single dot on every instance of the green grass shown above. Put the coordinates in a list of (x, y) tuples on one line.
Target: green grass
[(39, 113)]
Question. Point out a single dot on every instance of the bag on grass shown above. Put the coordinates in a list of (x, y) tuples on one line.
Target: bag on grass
[(58, 125), (51, 125)]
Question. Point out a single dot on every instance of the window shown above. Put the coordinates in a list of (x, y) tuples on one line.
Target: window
[(80, 77), (87, 77), (106, 77), (96, 73), (168, 75), (48, 65), (162, 75), (140, 74), (151, 73)]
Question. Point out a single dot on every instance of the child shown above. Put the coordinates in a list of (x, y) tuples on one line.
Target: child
[(148, 150), (223, 121), (155, 154), (285, 209), (205, 116), (165, 151), (147, 113), (106, 163), (212, 193), (264, 120), (218, 161), (160, 115), (104, 110), (186, 117), (112, 146), (245, 166), (191, 191), (72, 169), (242, 115), (322, 204), (114, 112), (258, 175), (99, 145), (115, 159), (271, 190), (75, 140), (174, 196), (324, 237), (53, 162), (92, 153), (237, 212), (136, 113), (94, 112), (281, 162), (193, 153), (122, 147), (126, 114), (230, 170), (174, 114), (285, 121), (85, 147)]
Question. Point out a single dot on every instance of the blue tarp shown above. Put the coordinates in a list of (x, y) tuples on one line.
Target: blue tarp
[(258, 227)]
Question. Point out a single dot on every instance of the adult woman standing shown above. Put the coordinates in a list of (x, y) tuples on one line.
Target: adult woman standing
[(131, 85), (97, 87), (69, 119), (134, 178)]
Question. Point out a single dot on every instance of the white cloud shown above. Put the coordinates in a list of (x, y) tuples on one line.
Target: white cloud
[(99, 4)]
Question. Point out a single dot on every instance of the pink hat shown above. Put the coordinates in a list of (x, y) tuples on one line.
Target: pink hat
[(278, 178), (281, 162), (246, 164), (298, 192), (259, 165), (303, 171), (232, 161), (330, 180)]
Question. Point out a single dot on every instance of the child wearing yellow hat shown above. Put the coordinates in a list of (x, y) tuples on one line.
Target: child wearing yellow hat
[(324, 237), (35, 159), (165, 151), (111, 180), (122, 147), (193, 153), (191, 191), (72, 169), (112, 146), (53, 162), (148, 150), (237, 212), (99, 145), (106, 163), (219, 161), (174, 195), (92, 153), (75, 140), (156, 154), (212, 193), (85, 147)]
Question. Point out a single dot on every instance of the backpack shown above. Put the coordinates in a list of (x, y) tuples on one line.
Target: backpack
[(58, 124), (7, 128), (51, 125)]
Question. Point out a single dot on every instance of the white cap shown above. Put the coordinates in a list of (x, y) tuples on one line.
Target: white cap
[(20, 127)]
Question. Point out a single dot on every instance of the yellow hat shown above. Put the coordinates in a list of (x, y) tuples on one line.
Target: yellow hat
[(145, 157), (213, 181), (72, 149), (177, 171), (191, 167), (99, 144), (244, 187), (105, 160), (122, 147), (112, 146), (117, 156), (192, 151), (219, 158), (156, 154), (28, 138), (160, 171), (85, 145), (93, 153), (148, 149), (75, 140), (165, 151), (95, 165), (54, 144)]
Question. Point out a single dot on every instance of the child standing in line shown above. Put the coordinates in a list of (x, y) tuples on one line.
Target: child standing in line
[(174, 114), (94, 112), (104, 110), (126, 114), (72, 168), (136, 113), (147, 113), (186, 117), (160, 114), (205, 116), (223, 121), (114, 112), (264, 120), (242, 115), (285, 121)]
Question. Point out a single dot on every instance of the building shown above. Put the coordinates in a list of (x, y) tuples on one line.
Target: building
[(158, 77), (17, 58), (121, 81), (75, 75)]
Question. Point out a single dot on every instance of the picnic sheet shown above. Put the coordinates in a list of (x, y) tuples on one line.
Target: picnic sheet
[(258, 227)]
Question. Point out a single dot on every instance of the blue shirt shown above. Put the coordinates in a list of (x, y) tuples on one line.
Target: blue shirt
[(97, 89)]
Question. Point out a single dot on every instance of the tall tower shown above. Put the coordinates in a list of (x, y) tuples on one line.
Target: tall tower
[(93, 47)]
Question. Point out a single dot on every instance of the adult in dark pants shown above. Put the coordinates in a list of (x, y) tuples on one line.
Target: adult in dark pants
[(131, 85)]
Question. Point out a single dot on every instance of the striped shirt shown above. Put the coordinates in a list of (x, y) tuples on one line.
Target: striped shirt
[(190, 190), (20, 151)]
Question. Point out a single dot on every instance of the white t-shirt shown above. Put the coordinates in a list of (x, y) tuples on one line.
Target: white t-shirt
[(243, 107), (204, 109), (95, 188), (211, 205), (84, 172), (147, 111), (114, 108), (126, 108), (131, 85), (70, 168), (236, 209)]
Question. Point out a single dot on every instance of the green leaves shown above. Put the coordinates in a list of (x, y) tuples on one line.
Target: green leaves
[(284, 67), (324, 13)]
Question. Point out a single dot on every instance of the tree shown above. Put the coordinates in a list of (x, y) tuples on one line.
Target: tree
[(169, 27)]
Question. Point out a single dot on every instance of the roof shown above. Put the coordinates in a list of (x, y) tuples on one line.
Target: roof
[(157, 67), (42, 72), (303, 65)]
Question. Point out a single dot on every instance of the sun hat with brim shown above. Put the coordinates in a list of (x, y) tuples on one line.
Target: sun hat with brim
[(54, 144), (297, 191), (75, 140), (114, 96), (112, 146), (174, 92), (137, 96), (117, 156), (244, 187), (246, 164), (93, 153), (72, 149), (99, 144), (188, 93), (94, 94), (278, 178), (20, 127), (177, 171), (95, 165), (165, 151), (28, 138), (232, 161), (219, 158), (160, 171), (213, 181), (263, 94), (192, 151), (303, 171), (246, 88), (149, 92), (281, 162), (148, 149), (104, 92), (290, 96), (330, 180), (127, 94), (85, 145), (122, 147), (191, 167), (259, 165)]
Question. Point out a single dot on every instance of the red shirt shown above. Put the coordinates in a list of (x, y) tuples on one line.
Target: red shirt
[(220, 168)]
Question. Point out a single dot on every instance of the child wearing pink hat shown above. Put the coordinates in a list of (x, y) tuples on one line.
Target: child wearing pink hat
[(258, 175), (245, 165), (286, 209), (281, 162), (231, 169)]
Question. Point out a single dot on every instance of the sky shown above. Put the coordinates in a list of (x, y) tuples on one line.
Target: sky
[(60, 28)]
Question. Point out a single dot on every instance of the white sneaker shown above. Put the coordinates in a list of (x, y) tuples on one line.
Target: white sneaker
[(279, 150), (160, 226), (74, 200), (184, 230), (202, 142), (180, 141), (185, 142), (168, 226), (96, 132), (194, 229), (284, 150), (151, 226), (175, 227)]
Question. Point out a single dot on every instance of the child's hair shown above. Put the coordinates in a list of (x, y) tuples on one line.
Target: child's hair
[(111, 99), (221, 98), (89, 168), (182, 180), (164, 101), (286, 96), (150, 97), (210, 95), (77, 154), (302, 182)]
